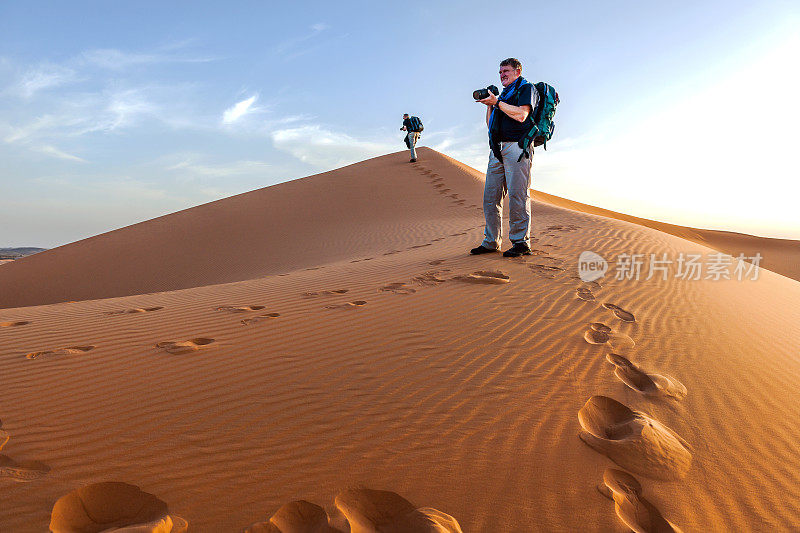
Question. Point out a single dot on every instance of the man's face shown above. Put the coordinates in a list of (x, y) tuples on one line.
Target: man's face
[(508, 75)]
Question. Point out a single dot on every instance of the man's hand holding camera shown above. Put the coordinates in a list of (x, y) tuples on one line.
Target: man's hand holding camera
[(490, 100)]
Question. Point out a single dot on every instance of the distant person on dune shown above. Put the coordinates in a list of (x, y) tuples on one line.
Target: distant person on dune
[(509, 168), (413, 125)]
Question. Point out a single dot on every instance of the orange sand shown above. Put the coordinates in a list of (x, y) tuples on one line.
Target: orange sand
[(303, 348)]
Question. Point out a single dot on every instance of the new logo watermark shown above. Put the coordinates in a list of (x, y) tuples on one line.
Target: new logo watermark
[(591, 266)]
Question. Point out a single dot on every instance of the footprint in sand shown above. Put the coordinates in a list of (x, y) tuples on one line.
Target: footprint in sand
[(112, 506), (367, 510), (22, 471), (585, 294), (436, 262), (14, 324), (566, 228), (636, 512), (135, 310), (259, 318), (599, 333), (545, 271), (490, 277), (644, 383), (633, 440), (398, 288), (317, 294), (181, 347), (438, 186), (349, 305), (299, 515), (430, 278), (239, 309), (72, 350), (625, 316), (392, 252)]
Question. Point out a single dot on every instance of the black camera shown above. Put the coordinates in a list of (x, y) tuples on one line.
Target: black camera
[(480, 94)]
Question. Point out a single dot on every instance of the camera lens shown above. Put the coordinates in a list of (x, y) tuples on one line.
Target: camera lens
[(480, 94)]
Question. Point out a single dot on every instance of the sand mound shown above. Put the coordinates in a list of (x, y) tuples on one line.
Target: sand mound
[(370, 511), (358, 511), (636, 512), (648, 384), (181, 347), (633, 440), (237, 238), (295, 517), (113, 505)]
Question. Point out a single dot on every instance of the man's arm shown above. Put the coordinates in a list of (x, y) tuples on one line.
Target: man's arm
[(518, 113)]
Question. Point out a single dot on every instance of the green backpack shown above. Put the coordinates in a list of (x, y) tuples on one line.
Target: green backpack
[(541, 119)]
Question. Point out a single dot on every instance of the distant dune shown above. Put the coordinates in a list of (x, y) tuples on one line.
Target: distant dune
[(323, 355), (16, 253), (779, 255)]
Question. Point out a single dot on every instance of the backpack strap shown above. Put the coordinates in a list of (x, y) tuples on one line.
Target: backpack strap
[(527, 141)]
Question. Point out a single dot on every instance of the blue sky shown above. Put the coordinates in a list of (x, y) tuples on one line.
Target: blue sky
[(111, 114)]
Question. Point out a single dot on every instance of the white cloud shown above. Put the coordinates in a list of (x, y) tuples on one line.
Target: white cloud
[(44, 77), (320, 147), (319, 26), (84, 114), (124, 107), (113, 59), (55, 152), (238, 110)]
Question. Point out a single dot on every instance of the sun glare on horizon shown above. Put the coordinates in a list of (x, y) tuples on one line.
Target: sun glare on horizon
[(718, 154)]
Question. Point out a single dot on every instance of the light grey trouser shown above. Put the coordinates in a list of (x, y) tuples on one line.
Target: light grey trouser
[(413, 137), (514, 177)]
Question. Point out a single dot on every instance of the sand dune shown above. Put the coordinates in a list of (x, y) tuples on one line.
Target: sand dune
[(779, 255), (244, 356)]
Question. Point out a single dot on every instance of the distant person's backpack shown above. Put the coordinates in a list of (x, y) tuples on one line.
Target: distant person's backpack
[(541, 118), (416, 124)]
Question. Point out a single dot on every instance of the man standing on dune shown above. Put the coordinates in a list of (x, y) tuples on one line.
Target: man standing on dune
[(509, 168), (413, 126)]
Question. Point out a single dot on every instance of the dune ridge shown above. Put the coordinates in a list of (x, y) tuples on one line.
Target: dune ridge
[(461, 396)]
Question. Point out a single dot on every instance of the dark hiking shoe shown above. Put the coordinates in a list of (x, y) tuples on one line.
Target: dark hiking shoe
[(517, 250), (482, 250), (413, 161)]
